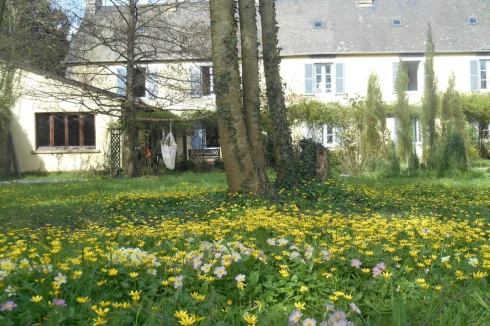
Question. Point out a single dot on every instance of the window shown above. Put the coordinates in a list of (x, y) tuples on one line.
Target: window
[(483, 73), (472, 21), (323, 78), (396, 22), (366, 3), (323, 134), (202, 81), (317, 25), (139, 84), (65, 130), (479, 75), (412, 68), (205, 138), (417, 131), (145, 82), (329, 135)]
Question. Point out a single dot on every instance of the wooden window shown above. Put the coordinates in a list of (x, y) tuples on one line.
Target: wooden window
[(65, 130)]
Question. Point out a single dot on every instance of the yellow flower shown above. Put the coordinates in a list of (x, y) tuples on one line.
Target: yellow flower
[(134, 275), (250, 319), (425, 286), (259, 304), (333, 298), (105, 303), (480, 275), (229, 302), (83, 299), (99, 321), (181, 314), (186, 320), (348, 297), (300, 305), (113, 272), (126, 305), (37, 298), (102, 312), (303, 289), (366, 270), (438, 288), (339, 293), (386, 274), (100, 283), (197, 296)]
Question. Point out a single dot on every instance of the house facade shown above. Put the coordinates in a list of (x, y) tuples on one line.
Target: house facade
[(329, 49), (54, 125)]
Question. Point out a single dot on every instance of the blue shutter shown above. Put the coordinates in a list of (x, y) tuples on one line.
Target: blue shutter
[(309, 90), (395, 74), (339, 78), (121, 81), (474, 76), (152, 80), (195, 76)]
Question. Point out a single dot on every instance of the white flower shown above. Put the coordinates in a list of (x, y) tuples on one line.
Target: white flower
[(354, 307), (282, 242), (445, 259), (220, 271), (178, 282), (206, 268), (60, 279), (309, 322), (271, 242), (473, 262), (295, 316), (240, 278), (10, 290)]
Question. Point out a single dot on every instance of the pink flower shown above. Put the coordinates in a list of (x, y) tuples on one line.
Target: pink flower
[(8, 306), (59, 302), (356, 263)]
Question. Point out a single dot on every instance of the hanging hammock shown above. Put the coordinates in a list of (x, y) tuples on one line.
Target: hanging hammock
[(169, 150)]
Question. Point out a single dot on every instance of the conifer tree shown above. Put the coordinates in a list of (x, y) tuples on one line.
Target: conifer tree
[(429, 101), (403, 127), (375, 117)]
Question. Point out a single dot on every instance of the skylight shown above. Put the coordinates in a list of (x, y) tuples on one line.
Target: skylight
[(366, 3), (317, 24), (397, 22), (472, 20)]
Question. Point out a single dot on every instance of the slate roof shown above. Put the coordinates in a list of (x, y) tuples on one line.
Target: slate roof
[(347, 28)]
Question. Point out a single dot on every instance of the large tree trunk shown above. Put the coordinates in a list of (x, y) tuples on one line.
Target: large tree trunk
[(250, 83), (283, 148), (239, 164)]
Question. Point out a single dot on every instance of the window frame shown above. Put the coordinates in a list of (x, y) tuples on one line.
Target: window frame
[(51, 130), (480, 79), (323, 75)]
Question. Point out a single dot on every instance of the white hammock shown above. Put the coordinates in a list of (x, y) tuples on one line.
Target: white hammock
[(169, 151)]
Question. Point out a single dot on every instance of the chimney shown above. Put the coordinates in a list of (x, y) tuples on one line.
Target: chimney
[(92, 5)]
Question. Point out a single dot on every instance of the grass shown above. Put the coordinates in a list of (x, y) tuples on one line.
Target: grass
[(126, 244)]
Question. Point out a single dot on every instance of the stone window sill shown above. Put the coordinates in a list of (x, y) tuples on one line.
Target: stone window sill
[(66, 150)]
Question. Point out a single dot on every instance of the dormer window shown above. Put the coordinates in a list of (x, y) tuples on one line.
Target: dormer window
[(396, 22), (472, 20)]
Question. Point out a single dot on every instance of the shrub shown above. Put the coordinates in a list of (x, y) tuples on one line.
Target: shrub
[(413, 162), (449, 154), (394, 161)]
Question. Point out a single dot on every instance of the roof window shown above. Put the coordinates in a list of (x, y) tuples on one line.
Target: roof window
[(365, 3), (317, 24), (472, 20), (396, 22)]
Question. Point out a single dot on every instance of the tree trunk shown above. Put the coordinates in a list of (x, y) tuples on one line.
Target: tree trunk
[(128, 114), (250, 83), (283, 148), (239, 164)]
